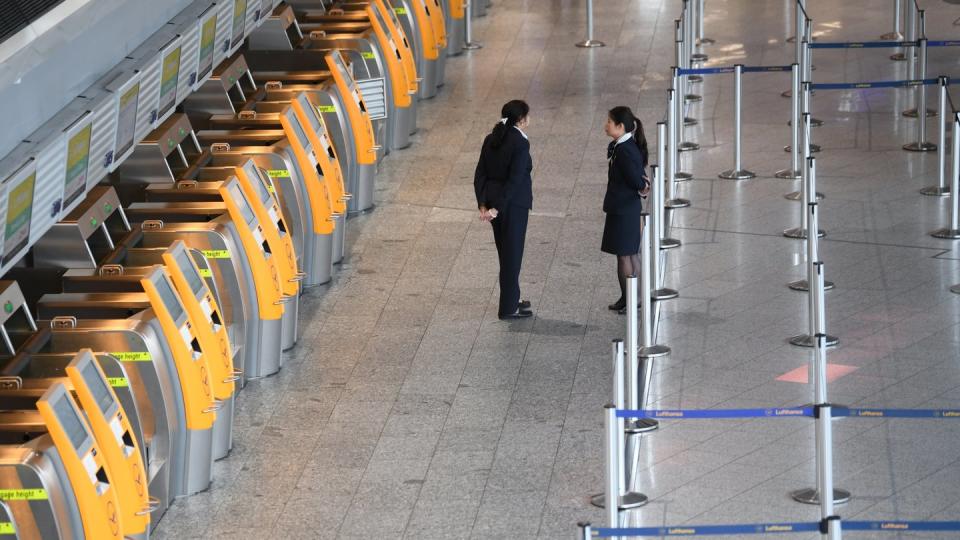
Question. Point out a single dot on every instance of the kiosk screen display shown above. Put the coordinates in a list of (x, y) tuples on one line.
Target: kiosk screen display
[(245, 211), (98, 387), (169, 298), (72, 424), (311, 113), (297, 129), (341, 68), (19, 211), (208, 35), (189, 272), (239, 20), (127, 119), (168, 80), (78, 156)]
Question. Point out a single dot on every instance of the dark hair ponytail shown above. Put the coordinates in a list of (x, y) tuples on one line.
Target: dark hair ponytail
[(624, 116), (513, 112)]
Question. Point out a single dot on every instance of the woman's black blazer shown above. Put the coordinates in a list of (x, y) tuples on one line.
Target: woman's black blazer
[(502, 176), (626, 177)]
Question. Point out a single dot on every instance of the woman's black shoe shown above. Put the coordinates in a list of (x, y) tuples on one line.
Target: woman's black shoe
[(517, 315), (524, 305), (618, 305)]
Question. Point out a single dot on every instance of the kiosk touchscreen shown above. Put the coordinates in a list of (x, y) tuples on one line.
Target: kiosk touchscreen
[(84, 462), (19, 209), (78, 160), (112, 430)]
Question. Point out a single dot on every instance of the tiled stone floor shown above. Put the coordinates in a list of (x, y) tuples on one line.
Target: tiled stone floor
[(409, 411)]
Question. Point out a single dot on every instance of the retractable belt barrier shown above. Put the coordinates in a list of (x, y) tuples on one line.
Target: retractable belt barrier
[(874, 84), (880, 44), (771, 528), (786, 412), (731, 69)]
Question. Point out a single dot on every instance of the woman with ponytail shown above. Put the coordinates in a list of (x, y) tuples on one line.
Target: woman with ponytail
[(504, 193), (627, 184)]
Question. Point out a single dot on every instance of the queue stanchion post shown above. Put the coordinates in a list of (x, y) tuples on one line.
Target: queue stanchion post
[(681, 63), (817, 315), (612, 468), (665, 188), (635, 394), (812, 251), (677, 147), (952, 231), (626, 499), (918, 70), (737, 172), (941, 189), (910, 36), (673, 201), (655, 197), (793, 173), (824, 438), (921, 144), (799, 17), (682, 146), (648, 349), (694, 15), (895, 35), (807, 146), (798, 9), (586, 531), (469, 44), (701, 37), (808, 187), (807, 73), (590, 43)]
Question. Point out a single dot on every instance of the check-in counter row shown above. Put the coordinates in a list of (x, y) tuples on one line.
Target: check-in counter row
[(183, 272)]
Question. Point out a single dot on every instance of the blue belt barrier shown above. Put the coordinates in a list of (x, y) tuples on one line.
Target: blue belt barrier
[(895, 413), (688, 414), (900, 526), (862, 44), (876, 84), (765, 69), (943, 44), (731, 69), (702, 530)]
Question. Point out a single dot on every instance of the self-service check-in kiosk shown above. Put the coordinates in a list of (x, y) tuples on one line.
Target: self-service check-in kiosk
[(54, 473), (422, 22), (240, 244), (455, 14), (109, 422), (161, 307), (353, 30), (135, 358)]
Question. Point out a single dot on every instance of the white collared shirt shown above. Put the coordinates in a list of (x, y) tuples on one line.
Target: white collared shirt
[(521, 132), (626, 136)]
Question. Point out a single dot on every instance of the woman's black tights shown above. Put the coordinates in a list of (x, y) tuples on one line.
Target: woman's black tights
[(627, 265)]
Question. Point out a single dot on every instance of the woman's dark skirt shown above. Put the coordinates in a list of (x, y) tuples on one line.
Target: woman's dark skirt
[(621, 234)]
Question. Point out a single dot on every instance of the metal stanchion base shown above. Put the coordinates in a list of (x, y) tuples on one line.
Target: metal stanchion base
[(812, 496), (669, 243), (894, 36), (664, 294), (803, 340), (590, 44), (676, 203), (920, 146), (814, 122), (699, 57), (955, 289), (801, 285), (695, 78), (898, 57), (801, 234), (687, 121), (935, 191), (641, 425), (948, 234), (788, 174), (912, 113), (472, 45), (653, 351), (706, 41), (681, 176), (687, 146), (627, 500), (741, 174), (814, 148), (796, 195), (689, 98)]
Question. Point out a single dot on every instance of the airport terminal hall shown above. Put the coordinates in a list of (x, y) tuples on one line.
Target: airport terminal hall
[(479, 269)]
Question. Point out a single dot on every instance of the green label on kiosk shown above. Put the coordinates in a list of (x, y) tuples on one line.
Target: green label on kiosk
[(400, 10), (216, 253), (131, 356), (206, 272), (367, 55), (118, 382), (36, 494), (278, 173), (6, 527), (326, 108)]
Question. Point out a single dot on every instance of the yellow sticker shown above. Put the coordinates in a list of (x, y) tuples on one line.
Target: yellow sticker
[(216, 253), (7, 528), (271, 189), (131, 356), (206, 272), (118, 382), (278, 173), (37, 494), (326, 108), (368, 55), (400, 11)]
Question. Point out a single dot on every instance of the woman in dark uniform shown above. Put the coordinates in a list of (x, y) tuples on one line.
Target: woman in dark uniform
[(505, 196), (626, 185)]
